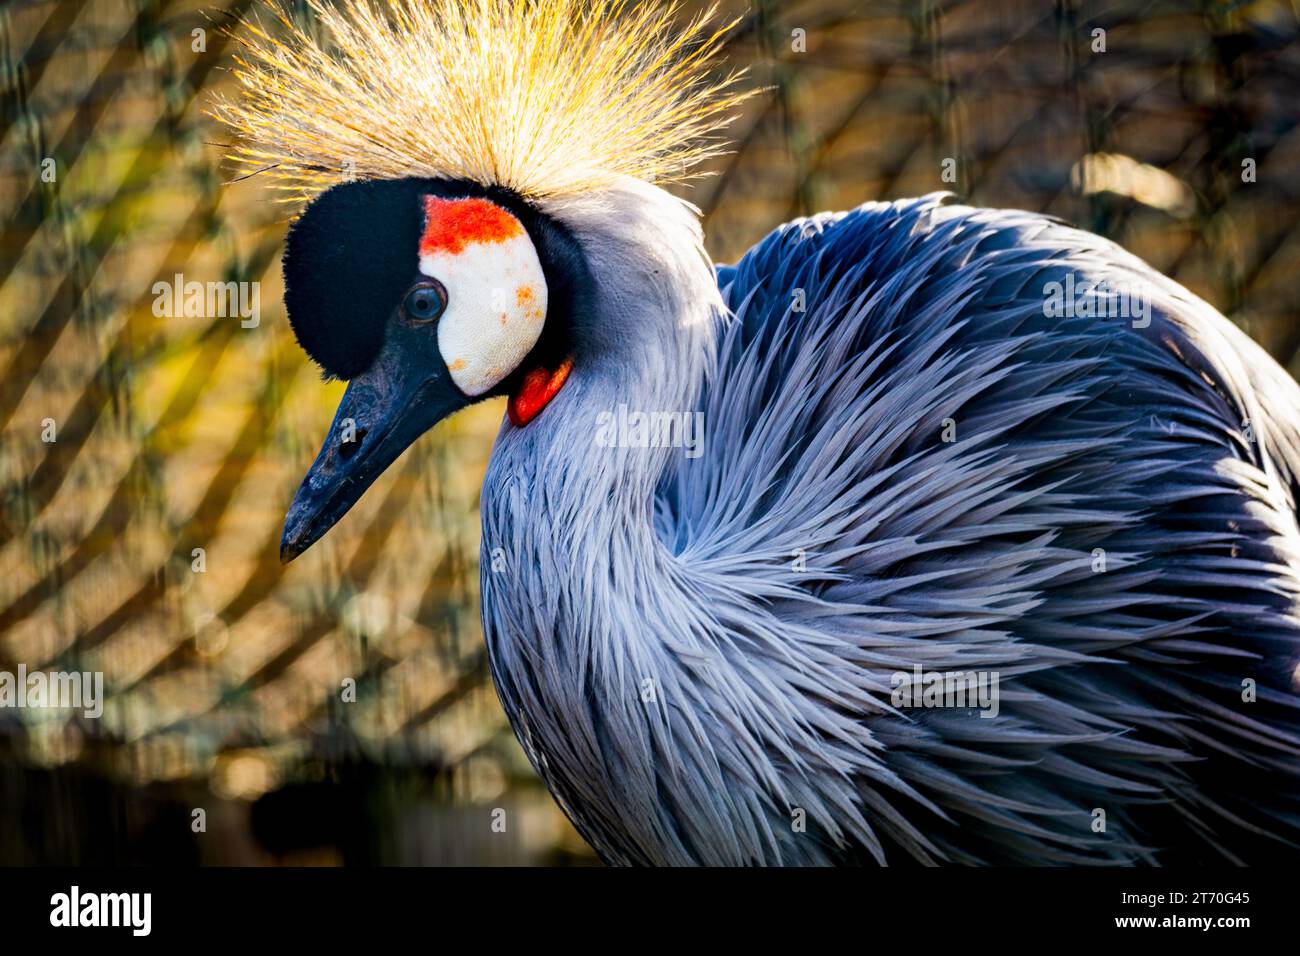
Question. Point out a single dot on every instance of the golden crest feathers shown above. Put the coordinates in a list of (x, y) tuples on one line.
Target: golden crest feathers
[(549, 98)]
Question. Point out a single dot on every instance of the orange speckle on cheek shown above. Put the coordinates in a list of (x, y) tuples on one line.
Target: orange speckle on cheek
[(456, 366), (452, 224), (524, 295)]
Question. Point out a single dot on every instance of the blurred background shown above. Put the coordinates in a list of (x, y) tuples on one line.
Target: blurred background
[(142, 541)]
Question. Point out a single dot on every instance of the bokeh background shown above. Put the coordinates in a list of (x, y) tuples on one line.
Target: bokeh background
[(224, 685)]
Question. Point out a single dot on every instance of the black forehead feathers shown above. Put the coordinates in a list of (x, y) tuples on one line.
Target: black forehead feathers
[(354, 252), (347, 260)]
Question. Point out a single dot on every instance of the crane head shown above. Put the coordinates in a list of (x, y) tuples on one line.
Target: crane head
[(425, 296)]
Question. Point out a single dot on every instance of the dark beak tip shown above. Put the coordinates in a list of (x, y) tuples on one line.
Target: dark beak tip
[(295, 539)]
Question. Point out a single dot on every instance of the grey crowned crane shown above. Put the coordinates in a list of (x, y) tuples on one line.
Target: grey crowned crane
[(941, 443)]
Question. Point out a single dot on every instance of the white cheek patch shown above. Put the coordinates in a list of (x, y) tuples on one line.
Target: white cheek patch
[(496, 306)]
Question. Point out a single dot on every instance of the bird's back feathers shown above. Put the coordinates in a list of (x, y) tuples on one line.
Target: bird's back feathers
[(913, 464)]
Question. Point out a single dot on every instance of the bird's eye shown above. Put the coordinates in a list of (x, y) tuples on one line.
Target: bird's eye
[(425, 302)]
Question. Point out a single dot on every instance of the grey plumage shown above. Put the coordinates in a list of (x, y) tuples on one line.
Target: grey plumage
[(1174, 448)]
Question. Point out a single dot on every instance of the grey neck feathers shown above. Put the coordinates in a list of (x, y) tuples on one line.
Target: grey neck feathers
[(649, 348), (585, 609)]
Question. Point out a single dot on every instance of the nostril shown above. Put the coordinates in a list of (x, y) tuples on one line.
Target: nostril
[(349, 448)]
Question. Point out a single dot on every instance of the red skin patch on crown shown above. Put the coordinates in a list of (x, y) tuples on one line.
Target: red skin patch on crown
[(452, 224)]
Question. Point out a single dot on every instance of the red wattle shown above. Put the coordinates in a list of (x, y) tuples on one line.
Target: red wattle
[(539, 386)]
